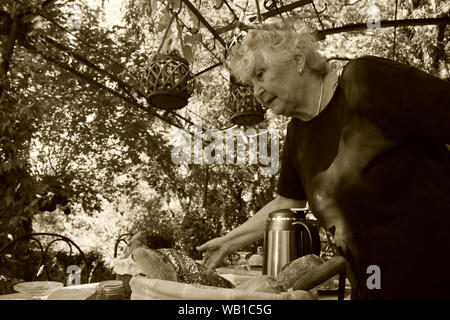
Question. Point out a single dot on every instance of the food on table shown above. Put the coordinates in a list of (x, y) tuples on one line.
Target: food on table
[(288, 275), (262, 283), (255, 260), (138, 240), (174, 265), (154, 264), (296, 269), (171, 264), (189, 271)]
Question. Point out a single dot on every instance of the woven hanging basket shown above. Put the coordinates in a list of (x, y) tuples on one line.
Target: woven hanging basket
[(167, 82), (243, 108)]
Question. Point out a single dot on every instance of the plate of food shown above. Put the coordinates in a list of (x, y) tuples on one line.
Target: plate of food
[(38, 289)]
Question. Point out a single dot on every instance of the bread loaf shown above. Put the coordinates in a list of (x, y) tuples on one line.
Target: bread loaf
[(296, 269), (169, 264), (262, 283), (285, 279), (189, 271), (138, 240), (154, 264), (175, 265)]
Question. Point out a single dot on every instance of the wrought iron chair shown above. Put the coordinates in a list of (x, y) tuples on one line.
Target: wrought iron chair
[(27, 247), (123, 238)]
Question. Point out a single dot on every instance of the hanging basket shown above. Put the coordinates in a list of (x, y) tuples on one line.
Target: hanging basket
[(242, 106), (167, 82)]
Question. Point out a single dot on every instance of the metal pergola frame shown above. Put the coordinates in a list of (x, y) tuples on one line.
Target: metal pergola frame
[(16, 28)]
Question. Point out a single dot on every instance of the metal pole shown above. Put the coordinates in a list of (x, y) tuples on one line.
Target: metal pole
[(389, 23), (258, 10), (205, 23), (395, 30)]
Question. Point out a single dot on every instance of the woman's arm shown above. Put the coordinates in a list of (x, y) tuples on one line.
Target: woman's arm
[(216, 250), (253, 229)]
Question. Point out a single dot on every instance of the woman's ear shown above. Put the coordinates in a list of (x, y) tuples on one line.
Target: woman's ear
[(300, 61)]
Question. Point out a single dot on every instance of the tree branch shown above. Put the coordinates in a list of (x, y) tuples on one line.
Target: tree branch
[(88, 63), (389, 24), (21, 37), (101, 86), (7, 54)]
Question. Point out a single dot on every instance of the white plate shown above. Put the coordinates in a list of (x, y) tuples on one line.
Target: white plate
[(38, 289)]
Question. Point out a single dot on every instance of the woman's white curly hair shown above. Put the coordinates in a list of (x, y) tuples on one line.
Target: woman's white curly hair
[(273, 45)]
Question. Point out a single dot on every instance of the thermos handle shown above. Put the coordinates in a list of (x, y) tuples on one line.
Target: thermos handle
[(314, 239)]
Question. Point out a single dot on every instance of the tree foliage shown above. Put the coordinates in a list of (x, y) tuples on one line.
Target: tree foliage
[(70, 146)]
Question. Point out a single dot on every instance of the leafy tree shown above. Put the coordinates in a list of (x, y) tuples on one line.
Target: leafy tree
[(73, 144)]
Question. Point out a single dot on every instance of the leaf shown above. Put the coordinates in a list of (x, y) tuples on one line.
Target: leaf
[(195, 22), (193, 40), (164, 22), (169, 43), (8, 200), (175, 5), (198, 87), (148, 10), (41, 268), (189, 39), (154, 5), (187, 53)]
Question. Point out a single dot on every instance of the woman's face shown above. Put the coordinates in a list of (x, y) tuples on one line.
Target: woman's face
[(277, 88)]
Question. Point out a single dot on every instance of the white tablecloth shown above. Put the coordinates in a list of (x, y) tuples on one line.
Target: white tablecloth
[(79, 292)]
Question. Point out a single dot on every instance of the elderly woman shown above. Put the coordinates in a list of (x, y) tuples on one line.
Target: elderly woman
[(366, 148)]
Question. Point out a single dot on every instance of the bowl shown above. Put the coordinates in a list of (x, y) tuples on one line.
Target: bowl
[(38, 289)]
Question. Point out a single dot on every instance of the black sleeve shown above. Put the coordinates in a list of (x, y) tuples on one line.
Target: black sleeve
[(289, 184), (426, 106), (410, 100)]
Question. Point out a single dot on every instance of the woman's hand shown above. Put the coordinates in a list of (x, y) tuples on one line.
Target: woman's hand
[(215, 252), (217, 249)]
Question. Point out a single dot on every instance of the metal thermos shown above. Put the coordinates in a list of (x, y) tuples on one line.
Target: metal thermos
[(288, 236)]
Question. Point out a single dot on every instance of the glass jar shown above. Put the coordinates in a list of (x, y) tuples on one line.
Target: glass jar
[(125, 278), (111, 290)]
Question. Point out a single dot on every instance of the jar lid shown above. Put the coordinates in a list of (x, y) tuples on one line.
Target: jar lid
[(288, 214), (111, 283), (111, 286)]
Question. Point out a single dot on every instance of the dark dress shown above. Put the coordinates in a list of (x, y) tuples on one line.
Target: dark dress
[(374, 165)]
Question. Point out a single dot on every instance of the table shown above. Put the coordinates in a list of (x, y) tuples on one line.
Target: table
[(238, 276), (87, 291), (77, 292)]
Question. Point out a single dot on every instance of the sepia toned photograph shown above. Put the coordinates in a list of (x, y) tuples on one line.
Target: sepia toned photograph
[(235, 152)]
